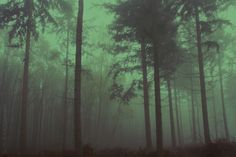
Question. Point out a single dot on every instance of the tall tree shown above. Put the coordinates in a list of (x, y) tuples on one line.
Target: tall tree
[(214, 105), (129, 27), (22, 15), (214, 44), (157, 30), (65, 102), (77, 88), (163, 32), (194, 133), (202, 78), (178, 118), (146, 94), (222, 97), (157, 82), (195, 9), (66, 26), (24, 100), (172, 124)]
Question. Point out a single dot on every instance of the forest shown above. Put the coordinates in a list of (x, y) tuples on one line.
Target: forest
[(117, 78)]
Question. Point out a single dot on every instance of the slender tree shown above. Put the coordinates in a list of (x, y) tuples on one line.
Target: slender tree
[(177, 113), (157, 83), (215, 45), (130, 18), (193, 107), (146, 95), (24, 100), (23, 15), (222, 97), (172, 124), (194, 9), (65, 102), (77, 88), (159, 28), (66, 26), (214, 106)]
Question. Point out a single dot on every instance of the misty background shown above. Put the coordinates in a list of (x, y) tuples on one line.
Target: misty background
[(106, 122)]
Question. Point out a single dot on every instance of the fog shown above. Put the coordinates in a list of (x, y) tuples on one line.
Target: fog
[(37, 109)]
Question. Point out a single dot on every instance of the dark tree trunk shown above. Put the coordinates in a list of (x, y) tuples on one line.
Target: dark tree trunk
[(116, 122), (202, 79), (200, 139), (12, 107), (172, 124), (100, 96), (3, 99), (146, 96), (39, 134), (24, 99), (65, 104), (177, 114), (157, 83), (4, 130), (180, 116), (159, 133), (77, 89), (214, 112), (223, 100), (193, 110)]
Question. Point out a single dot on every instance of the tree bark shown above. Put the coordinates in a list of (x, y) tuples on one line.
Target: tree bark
[(193, 109), (159, 133), (39, 134), (200, 139), (3, 101), (214, 112), (157, 84), (24, 99), (223, 100), (146, 97), (202, 79), (177, 114), (172, 124), (180, 116), (100, 103), (77, 88)]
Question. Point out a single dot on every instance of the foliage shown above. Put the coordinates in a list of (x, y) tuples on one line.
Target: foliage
[(14, 15)]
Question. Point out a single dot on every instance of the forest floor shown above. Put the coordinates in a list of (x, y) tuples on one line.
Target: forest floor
[(220, 149)]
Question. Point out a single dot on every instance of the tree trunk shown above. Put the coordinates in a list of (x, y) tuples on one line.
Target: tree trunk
[(40, 117), (146, 97), (4, 131), (172, 124), (100, 102), (65, 104), (77, 88), (24, 100), (116, 122), (12, 107), (200, 139), (202, 79), (3, 101), (157, 83), (193, 109), (180, 116), (159, 133), (223, 100), (214, 112), (177, 114)]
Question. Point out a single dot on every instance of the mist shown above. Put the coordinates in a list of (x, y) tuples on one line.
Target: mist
[(134, 75)]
